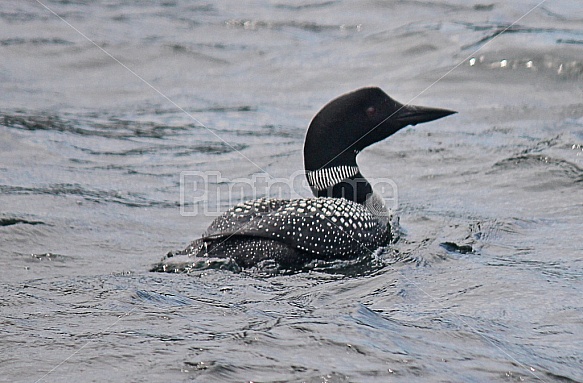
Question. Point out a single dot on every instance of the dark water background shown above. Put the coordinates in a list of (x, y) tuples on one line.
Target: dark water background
[(485, 285)]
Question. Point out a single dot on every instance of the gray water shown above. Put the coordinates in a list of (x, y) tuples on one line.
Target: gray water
[(484, 285)]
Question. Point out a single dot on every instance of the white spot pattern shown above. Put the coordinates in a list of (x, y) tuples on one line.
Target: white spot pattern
[(264, 228)]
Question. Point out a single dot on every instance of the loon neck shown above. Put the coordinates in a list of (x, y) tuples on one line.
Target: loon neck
[(341, 181)]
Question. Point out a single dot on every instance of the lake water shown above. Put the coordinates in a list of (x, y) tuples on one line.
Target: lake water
[(104, 104)]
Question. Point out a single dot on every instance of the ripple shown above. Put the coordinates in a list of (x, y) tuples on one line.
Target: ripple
[(98, 196), (16, 221), (297, 7), (560, 168), (50, 257), (277, 25), (163, 299), (37, 41), (114, 128)]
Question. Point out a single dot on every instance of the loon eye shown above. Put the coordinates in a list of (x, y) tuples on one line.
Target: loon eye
[(371, 111)]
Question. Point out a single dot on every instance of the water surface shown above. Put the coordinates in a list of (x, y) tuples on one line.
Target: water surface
[(484, 284)]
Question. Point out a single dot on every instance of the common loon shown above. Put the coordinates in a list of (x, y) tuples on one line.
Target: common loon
[(345, 220)]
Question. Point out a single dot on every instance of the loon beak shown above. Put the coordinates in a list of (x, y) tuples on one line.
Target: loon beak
[(413, 115)]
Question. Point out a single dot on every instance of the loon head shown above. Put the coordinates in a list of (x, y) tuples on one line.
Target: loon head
[(353, 121)]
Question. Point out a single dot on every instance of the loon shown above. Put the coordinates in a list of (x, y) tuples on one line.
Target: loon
[(345, 220)]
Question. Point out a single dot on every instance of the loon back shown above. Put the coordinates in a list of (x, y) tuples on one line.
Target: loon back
[(345, 220), (325, 228)]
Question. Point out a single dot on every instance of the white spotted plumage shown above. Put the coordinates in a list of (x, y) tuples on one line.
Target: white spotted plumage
[(325, 227)]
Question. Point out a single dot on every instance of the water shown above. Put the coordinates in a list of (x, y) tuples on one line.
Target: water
[(484, 285)]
